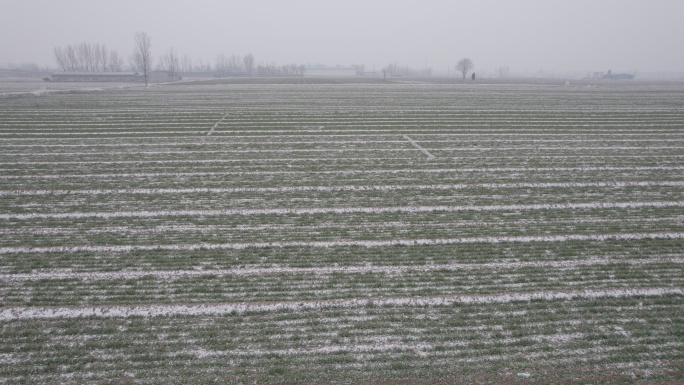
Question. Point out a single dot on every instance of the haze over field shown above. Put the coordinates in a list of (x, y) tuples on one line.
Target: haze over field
[(529, 35)]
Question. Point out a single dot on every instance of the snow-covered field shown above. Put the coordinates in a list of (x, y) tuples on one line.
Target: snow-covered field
[(353, 232)]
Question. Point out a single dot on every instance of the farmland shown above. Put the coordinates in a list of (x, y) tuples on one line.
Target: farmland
[(315, 231)]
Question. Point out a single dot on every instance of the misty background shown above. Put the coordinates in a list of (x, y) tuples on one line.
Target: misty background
[(525, 36)]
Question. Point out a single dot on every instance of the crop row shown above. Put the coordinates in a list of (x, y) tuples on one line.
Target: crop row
[(629, 331), (299, 199), (406, 253), (342, 153), (241, 286), (343, 224), (204, 127), (300, 189), (351, 144), (342, 175)]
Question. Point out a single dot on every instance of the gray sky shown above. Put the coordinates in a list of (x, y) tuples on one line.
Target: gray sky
[(525, 35)]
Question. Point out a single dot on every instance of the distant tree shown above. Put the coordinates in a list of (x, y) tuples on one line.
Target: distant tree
[(72, 58), (66, 58), (473, 77), (115, 61), (200, 66), (294, 69), (84, 57), (248, 60), (142, 56), (221, 65), (186, 63), (464, 66), (391, 69), (61, 59), (234, 64), (169, 62), (101, 57)]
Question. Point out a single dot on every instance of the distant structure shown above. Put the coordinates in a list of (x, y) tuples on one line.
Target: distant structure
[(163, 76), (20, 73), (104, 77), (330, 72), (623, 76), (120, 77)]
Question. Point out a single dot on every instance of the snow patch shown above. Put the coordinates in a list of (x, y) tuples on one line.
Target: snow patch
[(342, 210), (15, 313)]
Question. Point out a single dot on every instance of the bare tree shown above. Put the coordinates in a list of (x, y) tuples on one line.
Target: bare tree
[(235, 64), (390, 70), (186, 63), (115, 61), (142, 56), (86, 57), (294, 69), (201, 66), (221, 64), (464, 66), (171, 60), (61, 58), (248, 60), (72, 57), (101, 57)]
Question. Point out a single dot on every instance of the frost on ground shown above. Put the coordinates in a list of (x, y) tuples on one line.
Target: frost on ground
[(254, 232), (222, 309)]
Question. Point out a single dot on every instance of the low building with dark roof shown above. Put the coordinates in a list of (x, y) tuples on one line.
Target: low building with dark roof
[(101, 77)]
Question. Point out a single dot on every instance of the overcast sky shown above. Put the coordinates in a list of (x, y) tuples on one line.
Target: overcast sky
[(525, 35)]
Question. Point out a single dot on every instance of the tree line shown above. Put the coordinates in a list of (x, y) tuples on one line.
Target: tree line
[(95, 57), (233, 65), (88, 57)]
